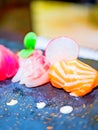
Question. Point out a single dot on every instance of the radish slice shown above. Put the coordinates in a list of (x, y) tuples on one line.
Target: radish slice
[(61, 48)]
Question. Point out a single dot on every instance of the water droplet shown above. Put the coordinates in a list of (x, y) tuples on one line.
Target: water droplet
[(66, 109), (12, 102), (40, 105)]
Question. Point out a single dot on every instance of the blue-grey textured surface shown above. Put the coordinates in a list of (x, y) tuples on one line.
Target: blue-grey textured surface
[(26, 116)]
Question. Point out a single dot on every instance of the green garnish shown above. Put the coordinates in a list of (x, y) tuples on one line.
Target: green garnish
[(26, 53), (29, 43), (30, 40)]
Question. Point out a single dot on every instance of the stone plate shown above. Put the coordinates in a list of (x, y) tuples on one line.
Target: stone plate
[(25, 115)]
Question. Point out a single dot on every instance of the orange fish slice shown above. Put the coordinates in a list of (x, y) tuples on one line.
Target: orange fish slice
[(74, 76)]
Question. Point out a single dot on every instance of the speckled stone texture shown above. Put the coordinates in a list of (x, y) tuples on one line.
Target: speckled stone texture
[(26, 116)]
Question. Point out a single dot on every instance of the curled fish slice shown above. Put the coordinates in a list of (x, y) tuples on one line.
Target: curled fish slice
[(74, 76), (33, 71)]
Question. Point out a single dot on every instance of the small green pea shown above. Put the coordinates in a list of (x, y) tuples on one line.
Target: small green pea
[(30, 40)]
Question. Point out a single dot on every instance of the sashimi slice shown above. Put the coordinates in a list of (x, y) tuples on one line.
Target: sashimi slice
[(74, 76), (33, 70), (30, 82), (61, 48), (8, 63)]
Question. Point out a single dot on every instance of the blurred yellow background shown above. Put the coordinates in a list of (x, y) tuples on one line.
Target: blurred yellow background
[(55, 18), (52, 18)]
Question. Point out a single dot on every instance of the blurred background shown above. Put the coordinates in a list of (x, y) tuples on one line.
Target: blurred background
[(77, 19)]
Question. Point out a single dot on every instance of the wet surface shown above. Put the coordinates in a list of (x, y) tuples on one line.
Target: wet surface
[(26, 116)]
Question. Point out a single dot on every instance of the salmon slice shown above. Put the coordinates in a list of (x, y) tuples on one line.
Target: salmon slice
[(74, 76)]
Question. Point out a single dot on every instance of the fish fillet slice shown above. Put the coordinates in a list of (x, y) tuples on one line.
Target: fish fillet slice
[(77, 78)]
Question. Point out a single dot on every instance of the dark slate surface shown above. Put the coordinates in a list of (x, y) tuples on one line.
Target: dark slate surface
[(26, 116)]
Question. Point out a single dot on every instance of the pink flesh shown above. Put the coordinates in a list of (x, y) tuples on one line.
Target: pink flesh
[(33, 71)]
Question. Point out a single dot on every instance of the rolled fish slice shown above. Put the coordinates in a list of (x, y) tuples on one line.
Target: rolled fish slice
[(33, 71), (74, 76)]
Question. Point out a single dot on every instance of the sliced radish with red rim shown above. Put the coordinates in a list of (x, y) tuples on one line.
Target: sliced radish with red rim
[(61, 48)]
